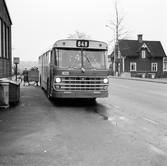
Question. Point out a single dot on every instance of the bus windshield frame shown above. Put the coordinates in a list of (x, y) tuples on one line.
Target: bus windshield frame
[(75, 58)]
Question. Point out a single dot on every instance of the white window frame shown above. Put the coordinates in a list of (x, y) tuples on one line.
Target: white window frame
[(165, 64), (154, 67), (4, 39), (131, 66), (7, 42), (143, 54)]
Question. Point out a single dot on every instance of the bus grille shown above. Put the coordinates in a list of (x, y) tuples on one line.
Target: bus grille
[(82, 83)]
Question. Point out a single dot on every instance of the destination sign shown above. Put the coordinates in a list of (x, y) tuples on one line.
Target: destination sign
[(82, 43)]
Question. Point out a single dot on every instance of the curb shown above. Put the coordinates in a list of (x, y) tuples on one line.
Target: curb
[(162, 81)]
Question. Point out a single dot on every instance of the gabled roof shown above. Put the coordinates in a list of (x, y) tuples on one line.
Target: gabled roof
[(132, 48), (7, 11)]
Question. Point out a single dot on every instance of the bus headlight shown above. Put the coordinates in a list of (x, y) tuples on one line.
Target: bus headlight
[(57, 80), (58, 87), (105, 87), (105, 80)]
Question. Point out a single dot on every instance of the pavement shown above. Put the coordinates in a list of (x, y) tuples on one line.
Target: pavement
[(22, 140)]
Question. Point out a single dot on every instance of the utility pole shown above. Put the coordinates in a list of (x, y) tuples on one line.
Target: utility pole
[(114, 64), (16, 61)]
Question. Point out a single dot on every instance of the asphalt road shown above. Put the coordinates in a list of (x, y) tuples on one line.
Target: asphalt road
[(128, 128)]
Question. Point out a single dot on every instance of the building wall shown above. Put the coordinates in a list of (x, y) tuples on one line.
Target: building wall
[(5, 41), (144, 65)]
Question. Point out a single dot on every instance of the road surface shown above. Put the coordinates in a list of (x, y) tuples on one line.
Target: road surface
[(127, 128)]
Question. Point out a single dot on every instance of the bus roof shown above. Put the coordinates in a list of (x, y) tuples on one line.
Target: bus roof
[(45, 51), (80, 43), (77, 43)]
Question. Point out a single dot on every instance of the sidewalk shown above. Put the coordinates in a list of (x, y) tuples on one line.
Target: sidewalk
[(155, 80)]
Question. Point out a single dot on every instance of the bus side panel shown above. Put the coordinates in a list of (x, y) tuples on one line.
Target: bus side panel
[(44, 69), (40, 70)]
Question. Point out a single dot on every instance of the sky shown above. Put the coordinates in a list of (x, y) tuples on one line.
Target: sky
[(37, 24)]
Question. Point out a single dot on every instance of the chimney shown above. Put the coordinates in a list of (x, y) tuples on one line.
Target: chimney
[(140, 38)]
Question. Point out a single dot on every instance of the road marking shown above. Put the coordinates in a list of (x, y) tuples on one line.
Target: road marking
[(116, 106), (151, 121), (155, 149), (122, 117), (144, 128), (159, 93), (122, 86)]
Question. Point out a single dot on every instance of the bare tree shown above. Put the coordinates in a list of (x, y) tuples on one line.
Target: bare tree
[(78, 35), (116, 23)]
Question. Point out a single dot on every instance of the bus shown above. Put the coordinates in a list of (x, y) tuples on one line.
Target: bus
[(73, 68)]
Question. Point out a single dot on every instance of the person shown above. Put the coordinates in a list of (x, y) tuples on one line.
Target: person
[(25, 76), (37, 73)]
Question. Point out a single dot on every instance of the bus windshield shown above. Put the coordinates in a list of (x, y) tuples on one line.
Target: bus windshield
[(76, 58)]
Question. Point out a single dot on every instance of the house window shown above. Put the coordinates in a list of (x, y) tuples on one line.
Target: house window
[(132, 66), (4, 39), (165, 64), (154, 66), (143, 53), (7, 42)]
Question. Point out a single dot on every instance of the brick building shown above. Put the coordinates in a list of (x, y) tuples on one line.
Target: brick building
[(5, 41)]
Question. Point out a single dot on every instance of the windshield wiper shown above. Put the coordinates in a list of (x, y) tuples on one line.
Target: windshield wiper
[(89, 62)]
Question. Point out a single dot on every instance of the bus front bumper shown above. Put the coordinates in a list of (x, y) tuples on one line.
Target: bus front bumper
[(74, 94)]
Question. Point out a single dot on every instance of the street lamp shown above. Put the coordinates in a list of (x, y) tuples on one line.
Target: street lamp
[(114, 66)]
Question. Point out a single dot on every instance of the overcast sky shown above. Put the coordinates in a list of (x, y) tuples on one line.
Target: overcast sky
[(37, 24)]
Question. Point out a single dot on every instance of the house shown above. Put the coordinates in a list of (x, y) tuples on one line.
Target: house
[(141, 58), (5, 41)]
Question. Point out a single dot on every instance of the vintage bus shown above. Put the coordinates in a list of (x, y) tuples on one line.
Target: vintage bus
[(73, 68)]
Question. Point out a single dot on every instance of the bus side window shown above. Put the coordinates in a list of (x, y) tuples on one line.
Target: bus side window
[(51, 57), (54, 58)]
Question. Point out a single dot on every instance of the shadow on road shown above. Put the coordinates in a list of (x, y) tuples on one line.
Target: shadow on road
[(66, 102)]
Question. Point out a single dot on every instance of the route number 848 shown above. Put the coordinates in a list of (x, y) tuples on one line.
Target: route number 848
[(82, 43)]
